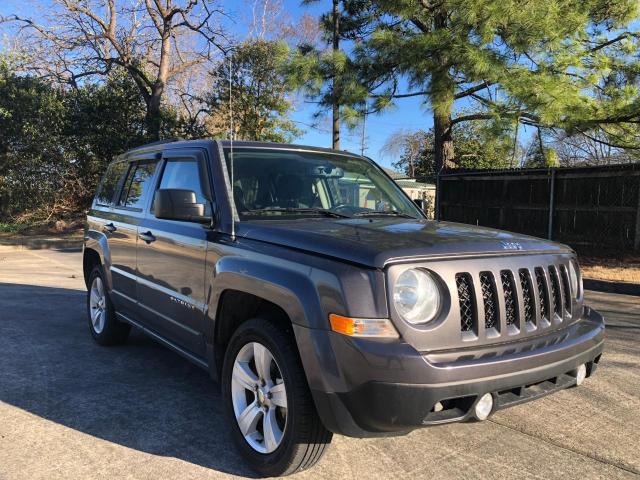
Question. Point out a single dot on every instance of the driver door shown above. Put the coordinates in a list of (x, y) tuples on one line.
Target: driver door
[(171, 258)]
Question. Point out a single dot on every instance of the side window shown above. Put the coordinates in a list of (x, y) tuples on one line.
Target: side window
[(184, 174), (109, 184), (137, 185)]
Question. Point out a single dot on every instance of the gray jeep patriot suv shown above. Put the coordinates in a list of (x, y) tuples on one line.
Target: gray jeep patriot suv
[(322, 299)]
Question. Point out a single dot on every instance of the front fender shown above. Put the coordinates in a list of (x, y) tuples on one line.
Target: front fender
[(304, 293), (97, 241), (287, 285), (307, 288)]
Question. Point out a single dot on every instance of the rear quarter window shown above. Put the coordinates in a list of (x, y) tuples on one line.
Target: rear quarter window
[(109, 184)]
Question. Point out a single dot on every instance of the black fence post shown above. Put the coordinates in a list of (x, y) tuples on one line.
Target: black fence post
[(552, 194), (437, 206)]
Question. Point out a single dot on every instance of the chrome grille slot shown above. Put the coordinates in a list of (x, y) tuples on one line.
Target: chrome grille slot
[(555, 291), (468, 314), (543, 293), (566, 289), (489, 299), (510, 296), (528, 300)]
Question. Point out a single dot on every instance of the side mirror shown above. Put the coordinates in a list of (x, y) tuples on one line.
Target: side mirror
[(420, 203), (178, 204)]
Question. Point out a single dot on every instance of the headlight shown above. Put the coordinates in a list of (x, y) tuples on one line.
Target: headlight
[(416, 296), (575, 278)]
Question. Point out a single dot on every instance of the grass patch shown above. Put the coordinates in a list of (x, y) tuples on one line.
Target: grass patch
[(6, 227), (40, 228), (625, 269)]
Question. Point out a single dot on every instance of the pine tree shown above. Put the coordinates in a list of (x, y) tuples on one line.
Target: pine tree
[(328, 75), (260, 94), (541, 62)]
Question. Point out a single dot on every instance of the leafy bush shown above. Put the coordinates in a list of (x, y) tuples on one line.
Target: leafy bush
[(55, 143)]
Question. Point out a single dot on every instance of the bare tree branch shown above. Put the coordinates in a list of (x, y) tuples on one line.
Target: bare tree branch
[(153, 40), (610, 42), (474, 89), (471, 117)]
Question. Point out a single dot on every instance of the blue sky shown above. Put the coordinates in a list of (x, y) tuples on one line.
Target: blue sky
[(408, 115)]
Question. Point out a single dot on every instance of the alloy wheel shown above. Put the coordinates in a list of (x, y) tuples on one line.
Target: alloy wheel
[(97, 305), (259, 397)]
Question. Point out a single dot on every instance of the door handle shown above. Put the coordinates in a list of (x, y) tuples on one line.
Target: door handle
[(147, 237), (109, 227)]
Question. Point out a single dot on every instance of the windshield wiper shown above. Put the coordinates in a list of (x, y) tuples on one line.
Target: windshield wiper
[(375, 213), (319, 211)]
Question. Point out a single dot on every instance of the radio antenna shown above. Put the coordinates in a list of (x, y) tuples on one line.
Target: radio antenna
[(233, 200), (364, 136)]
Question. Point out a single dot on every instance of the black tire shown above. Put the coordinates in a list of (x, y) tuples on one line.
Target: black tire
[(113, 332), (305, 439)]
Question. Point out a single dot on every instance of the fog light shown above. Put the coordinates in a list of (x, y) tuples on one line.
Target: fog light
[(581, 374), (438, 407), (484, 406)]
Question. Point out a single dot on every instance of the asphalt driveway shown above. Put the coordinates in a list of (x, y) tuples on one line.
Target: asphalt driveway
[(72, 409)]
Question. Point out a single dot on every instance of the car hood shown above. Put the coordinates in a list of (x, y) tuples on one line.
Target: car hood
[(376, 242)]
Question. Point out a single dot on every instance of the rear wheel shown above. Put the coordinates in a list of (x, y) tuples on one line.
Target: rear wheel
[(103, 324), (274, 421)]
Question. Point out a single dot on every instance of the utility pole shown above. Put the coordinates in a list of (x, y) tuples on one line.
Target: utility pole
[(335, 93)]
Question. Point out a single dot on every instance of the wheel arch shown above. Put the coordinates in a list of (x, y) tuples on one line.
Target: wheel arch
[(243, 289), (90, 259), (96, 252)]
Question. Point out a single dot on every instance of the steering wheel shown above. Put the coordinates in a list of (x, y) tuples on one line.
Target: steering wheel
[(341, 206), (348, 209)]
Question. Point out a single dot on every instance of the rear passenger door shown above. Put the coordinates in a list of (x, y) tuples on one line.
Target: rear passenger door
[(121, 230), (171, 257)]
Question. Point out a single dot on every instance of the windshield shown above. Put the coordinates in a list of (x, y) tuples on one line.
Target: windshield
[(270, 183)]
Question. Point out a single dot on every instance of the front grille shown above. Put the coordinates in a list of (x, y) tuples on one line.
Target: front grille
[(527, 297), (510, 296), (489, 299), (466, 300)]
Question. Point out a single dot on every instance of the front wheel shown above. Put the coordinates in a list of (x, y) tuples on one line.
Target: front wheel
[(105, 328), (274, 421)]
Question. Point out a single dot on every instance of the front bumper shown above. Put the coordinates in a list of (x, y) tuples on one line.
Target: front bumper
[(370, 388)]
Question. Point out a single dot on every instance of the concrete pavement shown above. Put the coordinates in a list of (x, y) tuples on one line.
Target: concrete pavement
[(72, 409)]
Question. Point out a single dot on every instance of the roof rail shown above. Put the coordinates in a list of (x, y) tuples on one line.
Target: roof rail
[(159, 142)]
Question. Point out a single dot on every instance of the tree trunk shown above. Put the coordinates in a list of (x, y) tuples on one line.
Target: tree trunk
[(444, 152), (442, 98), (541, 146), (443, 141), (335, 93), (154, 115), (4, 207), (154, 104)]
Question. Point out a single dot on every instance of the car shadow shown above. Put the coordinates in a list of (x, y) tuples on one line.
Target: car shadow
[(139, 395)]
